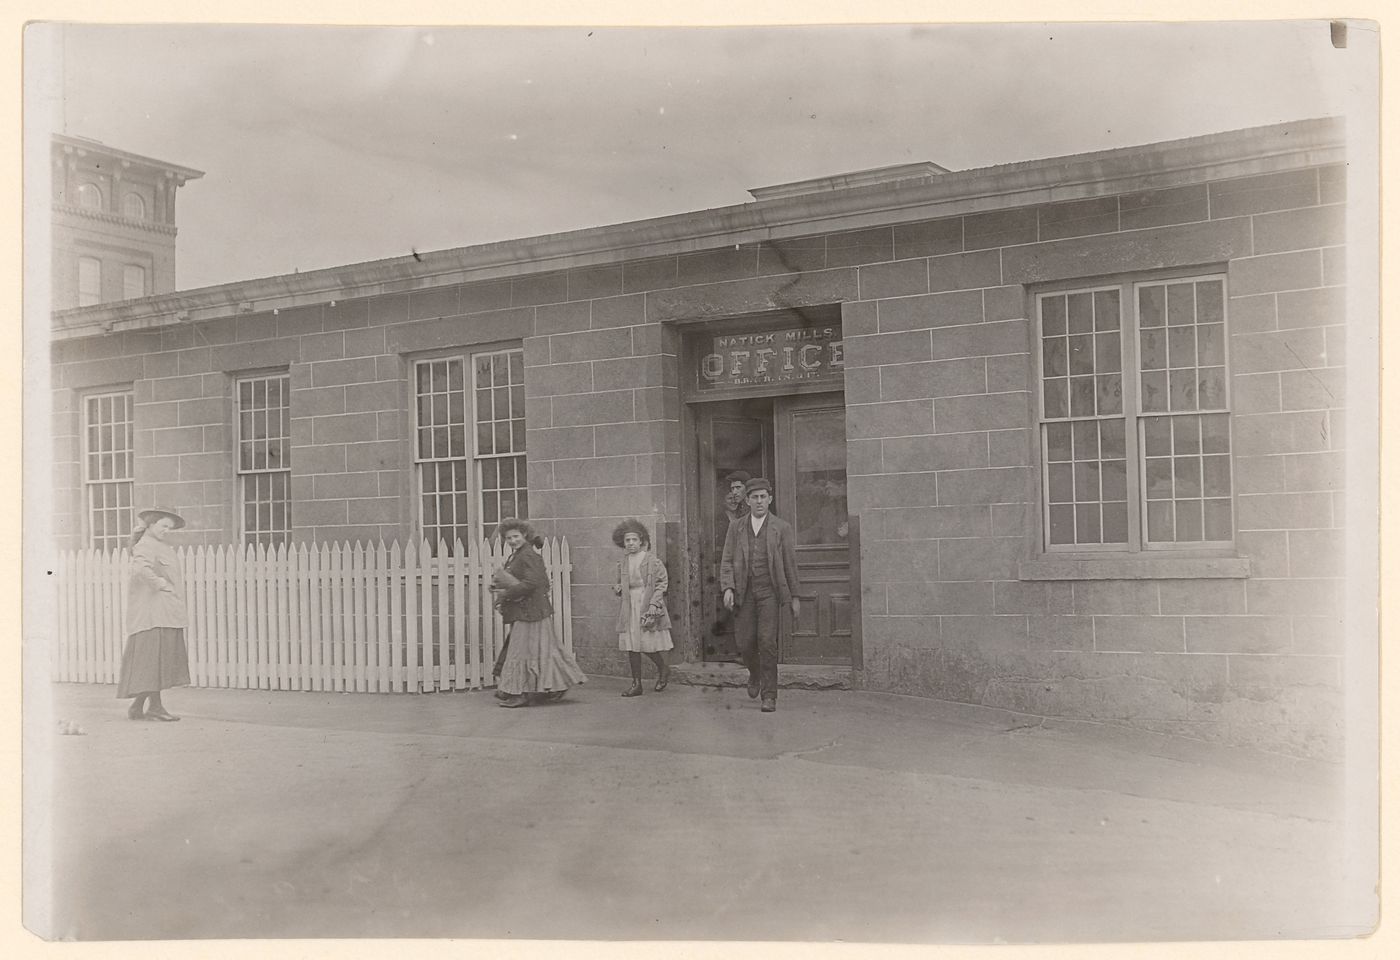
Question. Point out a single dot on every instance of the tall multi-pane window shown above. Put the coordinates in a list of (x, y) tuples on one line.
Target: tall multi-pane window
[(133, 281), (264, 467), (1135, 417), (469, 448), (89, 281), (107, 468), (500, 435)]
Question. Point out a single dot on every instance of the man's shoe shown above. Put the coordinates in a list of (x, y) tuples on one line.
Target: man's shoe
[(753, 688), (769, 705)]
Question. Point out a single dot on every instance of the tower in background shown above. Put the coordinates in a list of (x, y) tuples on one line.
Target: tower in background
[(113, 223)]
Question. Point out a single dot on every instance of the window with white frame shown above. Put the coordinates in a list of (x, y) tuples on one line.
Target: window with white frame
[(133, 281), (264, 467), (107, 468), (133, 207), (469, 446), (89, 281), (1135, 416)]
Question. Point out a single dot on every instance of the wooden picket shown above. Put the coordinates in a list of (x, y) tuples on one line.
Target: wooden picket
[(348, 617)]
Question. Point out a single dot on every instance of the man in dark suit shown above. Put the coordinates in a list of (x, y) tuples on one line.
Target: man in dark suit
[(758, 572)]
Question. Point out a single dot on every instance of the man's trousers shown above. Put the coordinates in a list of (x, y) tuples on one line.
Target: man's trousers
[(756, 633)]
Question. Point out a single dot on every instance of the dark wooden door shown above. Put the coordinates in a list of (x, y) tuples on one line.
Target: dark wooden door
[(810, 452), (732, 435)]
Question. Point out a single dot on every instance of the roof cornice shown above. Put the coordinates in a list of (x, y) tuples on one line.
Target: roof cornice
[(1238, 153), (97, 146)]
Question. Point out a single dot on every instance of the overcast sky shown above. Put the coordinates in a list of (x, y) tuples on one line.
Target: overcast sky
[(329, 145)]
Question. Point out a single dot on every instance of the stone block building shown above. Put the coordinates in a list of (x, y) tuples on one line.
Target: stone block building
[(1062, 436)]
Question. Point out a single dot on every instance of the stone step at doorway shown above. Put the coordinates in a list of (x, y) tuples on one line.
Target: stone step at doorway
[(791, 676)]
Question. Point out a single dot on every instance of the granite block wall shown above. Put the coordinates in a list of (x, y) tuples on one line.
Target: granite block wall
[(940, 377)]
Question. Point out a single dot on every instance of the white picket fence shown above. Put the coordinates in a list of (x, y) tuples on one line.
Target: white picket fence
[(337, 617)]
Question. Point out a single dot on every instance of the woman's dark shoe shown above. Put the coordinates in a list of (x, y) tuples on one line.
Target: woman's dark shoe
[(519, 700), (663, 679), (633, 691), (165, 715), (133, 714), (554, 696), (502, 695)]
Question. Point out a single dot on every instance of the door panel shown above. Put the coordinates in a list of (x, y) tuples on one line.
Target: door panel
[(811, 457)]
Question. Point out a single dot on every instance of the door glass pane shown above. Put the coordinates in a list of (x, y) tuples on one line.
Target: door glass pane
[(738, 445), (819, 444)]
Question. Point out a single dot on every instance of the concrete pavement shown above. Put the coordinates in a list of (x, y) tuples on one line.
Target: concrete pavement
[(681, 815)]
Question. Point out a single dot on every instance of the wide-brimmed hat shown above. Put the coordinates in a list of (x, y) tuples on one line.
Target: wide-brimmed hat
[(150, 516)]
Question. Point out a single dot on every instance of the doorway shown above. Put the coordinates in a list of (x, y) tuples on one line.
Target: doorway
[(798, 443)]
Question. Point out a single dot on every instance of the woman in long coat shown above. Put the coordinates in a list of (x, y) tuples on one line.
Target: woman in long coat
[(643, 624), (155, 656), (537, 667)]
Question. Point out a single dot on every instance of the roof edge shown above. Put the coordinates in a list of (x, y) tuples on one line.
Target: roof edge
[(1151, 166), (83, 143)]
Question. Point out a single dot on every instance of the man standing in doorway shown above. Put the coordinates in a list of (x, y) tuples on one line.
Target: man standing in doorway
[(735, 504), (758, 572)]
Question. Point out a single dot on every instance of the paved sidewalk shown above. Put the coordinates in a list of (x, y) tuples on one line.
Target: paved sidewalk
[(681, 815)]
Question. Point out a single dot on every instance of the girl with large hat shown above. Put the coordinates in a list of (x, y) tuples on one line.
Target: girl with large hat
[(155, 657)]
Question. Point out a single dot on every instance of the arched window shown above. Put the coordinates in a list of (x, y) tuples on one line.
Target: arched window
[(90, 196), (133, 207)]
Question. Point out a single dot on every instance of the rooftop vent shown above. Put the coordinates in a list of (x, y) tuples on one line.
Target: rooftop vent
[(859, 178)]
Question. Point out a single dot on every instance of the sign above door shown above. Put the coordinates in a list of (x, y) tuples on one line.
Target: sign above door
[(809, 354)]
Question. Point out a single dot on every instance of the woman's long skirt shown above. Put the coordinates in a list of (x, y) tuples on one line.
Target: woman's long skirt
[(537, 662), (153, 660)]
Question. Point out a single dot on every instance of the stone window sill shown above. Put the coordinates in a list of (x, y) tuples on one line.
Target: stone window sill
[(1136, 567)]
